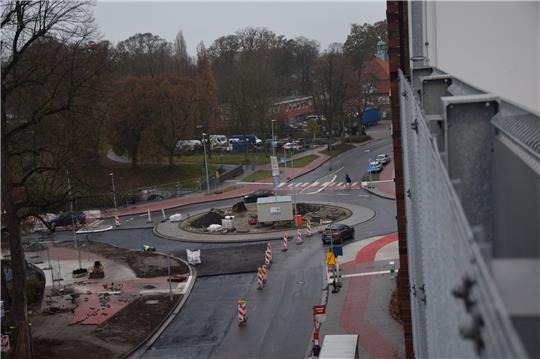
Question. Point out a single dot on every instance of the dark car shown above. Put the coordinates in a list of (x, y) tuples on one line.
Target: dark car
[(337, 233), (252, 197), (64, 219)]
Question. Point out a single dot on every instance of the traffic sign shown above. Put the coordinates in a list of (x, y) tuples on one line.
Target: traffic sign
[(274, 165), (319, 309)]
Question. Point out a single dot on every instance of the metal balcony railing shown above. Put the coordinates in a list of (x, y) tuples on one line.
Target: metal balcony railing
[(453, 210)]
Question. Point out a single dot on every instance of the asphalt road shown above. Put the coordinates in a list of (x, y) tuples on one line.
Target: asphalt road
[(280, 320)]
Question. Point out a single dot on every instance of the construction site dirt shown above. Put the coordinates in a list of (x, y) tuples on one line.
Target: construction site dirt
[(104, 317)]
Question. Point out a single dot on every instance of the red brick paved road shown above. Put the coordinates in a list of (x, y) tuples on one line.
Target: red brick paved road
[(354, 309)]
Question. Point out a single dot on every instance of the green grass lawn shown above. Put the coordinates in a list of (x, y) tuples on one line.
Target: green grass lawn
[(258, 158), (302, 161), (96, 175), (337, 149), (258, 175)]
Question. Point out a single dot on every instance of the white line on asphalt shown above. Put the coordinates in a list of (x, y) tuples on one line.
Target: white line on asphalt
[(365, 274), (342, 194), (324, 185)]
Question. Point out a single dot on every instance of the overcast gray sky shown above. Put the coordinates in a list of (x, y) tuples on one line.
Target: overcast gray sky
[(325, 22)]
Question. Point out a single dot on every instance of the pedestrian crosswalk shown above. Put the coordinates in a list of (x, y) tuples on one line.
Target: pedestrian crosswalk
[(331, 186)]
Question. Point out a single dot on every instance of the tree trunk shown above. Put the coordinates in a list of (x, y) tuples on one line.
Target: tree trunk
[(22, 346), (171, 158)]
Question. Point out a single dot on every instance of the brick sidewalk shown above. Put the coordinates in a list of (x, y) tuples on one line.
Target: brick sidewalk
[(362, 305)]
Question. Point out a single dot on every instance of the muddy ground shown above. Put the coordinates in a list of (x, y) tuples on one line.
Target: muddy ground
[(144, 264), (314, 212), (54, 338)]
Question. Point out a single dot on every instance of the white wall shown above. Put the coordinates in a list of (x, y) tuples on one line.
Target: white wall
[(494, 46)]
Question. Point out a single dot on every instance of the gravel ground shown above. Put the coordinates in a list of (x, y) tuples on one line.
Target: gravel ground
[(230, 260)]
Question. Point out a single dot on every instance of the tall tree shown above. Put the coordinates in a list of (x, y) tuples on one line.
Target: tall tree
[(361, 42), (175, 115), (182, 61), (133, 108), (45, 74), (331, 89), (207, 106), (144, 55)]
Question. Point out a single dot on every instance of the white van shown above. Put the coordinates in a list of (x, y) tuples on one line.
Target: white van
[(339, 347), (218, 140)]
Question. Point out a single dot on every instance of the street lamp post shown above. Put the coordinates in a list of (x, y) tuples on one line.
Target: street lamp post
[(273, 140), (294, 189), (369, 164), (206, 164), (113, 189)]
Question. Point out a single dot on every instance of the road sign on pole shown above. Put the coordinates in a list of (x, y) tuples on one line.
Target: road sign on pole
[(274, 165)]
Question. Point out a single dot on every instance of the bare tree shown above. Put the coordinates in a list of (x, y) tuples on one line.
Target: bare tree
[(183, 62), (144, 55), (37, 87), (331, 89)]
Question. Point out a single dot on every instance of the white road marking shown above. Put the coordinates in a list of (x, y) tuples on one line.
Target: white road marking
[(324, 185), (366, 274)]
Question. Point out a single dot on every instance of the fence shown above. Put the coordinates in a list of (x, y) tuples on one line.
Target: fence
[(456, 310)]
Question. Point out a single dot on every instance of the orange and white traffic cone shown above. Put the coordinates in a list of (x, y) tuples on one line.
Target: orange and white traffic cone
[(260, 278), (285, 242), (242, 312), (149, 216), (116, 221), (299, 236)]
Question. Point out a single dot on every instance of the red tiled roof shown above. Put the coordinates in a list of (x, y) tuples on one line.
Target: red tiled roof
[(378, 71)]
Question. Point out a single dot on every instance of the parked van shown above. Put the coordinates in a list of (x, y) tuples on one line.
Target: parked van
[(218, 140)]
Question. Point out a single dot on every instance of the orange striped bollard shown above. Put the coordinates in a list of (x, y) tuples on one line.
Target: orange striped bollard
[(299, 236), (116, 221), (285, 242), (267, 258), (264, 272), (308, 227), (269, 249), (260, 278), (242, 312)]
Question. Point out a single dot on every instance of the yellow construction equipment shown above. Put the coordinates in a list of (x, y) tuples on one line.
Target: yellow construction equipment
[(97, 271)]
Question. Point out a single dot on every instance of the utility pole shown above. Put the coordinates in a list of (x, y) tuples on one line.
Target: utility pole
[(73, 220), (206, 164), (113, 189), (294, 189), (273, 140)]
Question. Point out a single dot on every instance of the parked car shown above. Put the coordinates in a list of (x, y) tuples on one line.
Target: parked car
[(64, 219), (337, 233), (294, 145), (252, 197), (383, 158), (188, 145), (374, 167)]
